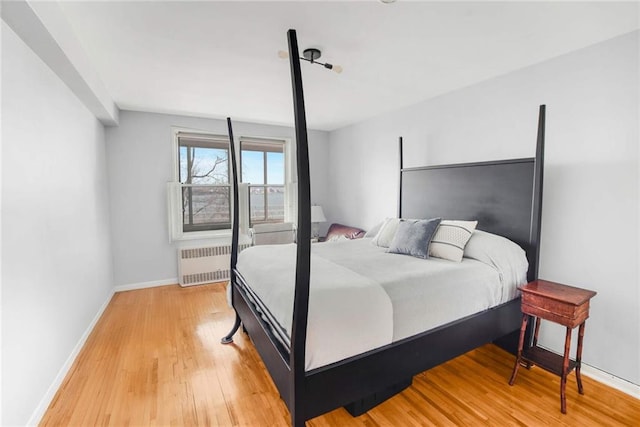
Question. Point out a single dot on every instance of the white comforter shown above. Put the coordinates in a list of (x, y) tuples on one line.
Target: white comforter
[(341, 301), (362, 298)]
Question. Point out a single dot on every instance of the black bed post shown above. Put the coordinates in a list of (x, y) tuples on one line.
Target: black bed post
[(401, 165), (536, 214), (303, 263), (234, 229)]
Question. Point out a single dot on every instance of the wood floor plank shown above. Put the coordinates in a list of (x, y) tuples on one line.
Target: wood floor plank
[(155, 359)]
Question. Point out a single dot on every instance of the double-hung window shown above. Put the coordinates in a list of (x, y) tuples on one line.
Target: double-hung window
[(200, 198), (263, 169), (205, 188)]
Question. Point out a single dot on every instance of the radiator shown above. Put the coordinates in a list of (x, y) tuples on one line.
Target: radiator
[(205, 265)]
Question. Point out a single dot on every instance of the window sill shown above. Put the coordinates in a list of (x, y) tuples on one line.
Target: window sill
[(217, 236), (200, 235)]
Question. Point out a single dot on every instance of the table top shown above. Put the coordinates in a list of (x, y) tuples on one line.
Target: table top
[(558, 292)]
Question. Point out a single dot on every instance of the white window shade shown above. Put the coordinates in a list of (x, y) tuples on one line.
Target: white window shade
[(189, 139), (262, 144)]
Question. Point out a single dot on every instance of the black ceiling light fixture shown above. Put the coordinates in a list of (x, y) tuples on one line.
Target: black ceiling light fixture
[(312, 55)]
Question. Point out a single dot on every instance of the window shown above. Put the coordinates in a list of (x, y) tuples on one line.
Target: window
[(263, 169), (203, 175), (199, 198)]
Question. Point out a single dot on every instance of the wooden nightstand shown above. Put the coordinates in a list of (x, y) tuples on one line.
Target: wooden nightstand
[(561, 304)]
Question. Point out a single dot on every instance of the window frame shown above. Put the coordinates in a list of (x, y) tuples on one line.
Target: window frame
[(174, 203), (268, 147), (210, 141)]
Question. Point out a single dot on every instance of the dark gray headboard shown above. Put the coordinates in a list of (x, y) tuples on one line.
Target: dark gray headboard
[(504, 196)]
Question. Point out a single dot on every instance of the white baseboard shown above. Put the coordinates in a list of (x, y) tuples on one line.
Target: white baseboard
[(611, 380), (37, 415), (144, 285)]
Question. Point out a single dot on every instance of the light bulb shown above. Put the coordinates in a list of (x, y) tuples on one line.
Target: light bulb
[(282, 54), (337, 69)]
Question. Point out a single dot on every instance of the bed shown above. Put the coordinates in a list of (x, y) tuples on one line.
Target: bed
[(362, 297), (504, 196)]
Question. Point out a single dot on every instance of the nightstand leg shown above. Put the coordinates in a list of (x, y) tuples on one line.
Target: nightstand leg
[(535, 331), (579, 358), (565, 369), (523, 328)]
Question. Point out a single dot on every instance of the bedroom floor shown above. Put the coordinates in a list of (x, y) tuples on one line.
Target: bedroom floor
[(154, 358)]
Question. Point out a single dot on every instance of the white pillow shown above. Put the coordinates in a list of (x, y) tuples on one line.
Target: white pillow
[(386, 233), (374, 230), (337, 238), (501, 253), (450, 239)]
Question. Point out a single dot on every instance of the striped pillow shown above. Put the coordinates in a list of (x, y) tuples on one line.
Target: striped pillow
[(450, 239), (386, 233)]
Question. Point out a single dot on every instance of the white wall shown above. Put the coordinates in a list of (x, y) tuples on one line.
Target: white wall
[(140, 164), (591, 195), (56, 260)]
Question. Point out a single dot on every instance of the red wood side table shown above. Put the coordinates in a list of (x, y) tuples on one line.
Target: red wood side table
[(562, 304)]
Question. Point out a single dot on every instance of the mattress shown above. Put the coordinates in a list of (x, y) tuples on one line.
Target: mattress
[(424, 294), (362, 297)]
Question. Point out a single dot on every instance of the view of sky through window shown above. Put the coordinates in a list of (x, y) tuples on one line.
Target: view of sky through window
[(253, 168), (209, 165)]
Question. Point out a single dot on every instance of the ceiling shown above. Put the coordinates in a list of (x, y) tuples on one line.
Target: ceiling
[(219, 59)]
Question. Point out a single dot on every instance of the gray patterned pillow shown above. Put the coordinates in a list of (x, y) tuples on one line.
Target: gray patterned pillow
[(413, 237)]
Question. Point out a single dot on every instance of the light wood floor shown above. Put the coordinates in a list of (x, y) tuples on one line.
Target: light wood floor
[(154, 358)]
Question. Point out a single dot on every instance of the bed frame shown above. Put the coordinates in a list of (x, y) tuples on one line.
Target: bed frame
[(505, 196)]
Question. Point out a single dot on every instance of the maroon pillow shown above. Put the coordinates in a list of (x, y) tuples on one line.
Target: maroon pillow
[(344, 230)]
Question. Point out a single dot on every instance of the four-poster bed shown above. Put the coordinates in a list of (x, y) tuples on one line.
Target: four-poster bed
[(504, 196)]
